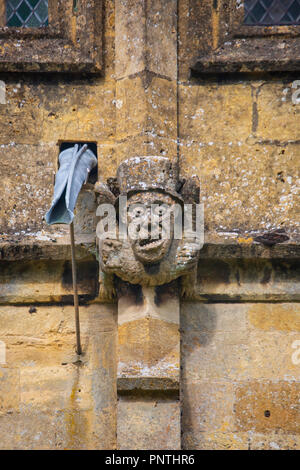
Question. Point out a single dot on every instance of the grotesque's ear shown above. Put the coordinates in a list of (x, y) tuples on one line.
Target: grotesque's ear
[(113, 185), (190, 190), (104, 194)]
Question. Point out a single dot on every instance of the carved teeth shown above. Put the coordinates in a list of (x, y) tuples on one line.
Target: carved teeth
[(149, 241)]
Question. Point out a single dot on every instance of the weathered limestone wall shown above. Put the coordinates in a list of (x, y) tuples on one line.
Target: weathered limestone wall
[(240, 135), (240, 387), (48, 398), (41, 111)]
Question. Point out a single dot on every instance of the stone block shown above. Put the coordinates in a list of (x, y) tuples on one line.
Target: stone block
[(146, 105), (244, 188), (9, 430), (278, 116), (209, 113), (60, 387), (216, 441), (271, 355), (148, 347), (73, 112), (148, 423), (150, 31), (148, 336), (9, 390), (213, 318), (215, 343), (268, 406), (274, 441), (30, 184), (21, 117), (275, 317), (207, 407)]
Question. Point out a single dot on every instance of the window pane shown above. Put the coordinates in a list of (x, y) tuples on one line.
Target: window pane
[(272, 12), (27, 13)]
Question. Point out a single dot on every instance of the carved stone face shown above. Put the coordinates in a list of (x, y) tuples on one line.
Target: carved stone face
[(151, 225)]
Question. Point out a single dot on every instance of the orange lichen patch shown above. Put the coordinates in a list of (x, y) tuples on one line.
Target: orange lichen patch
[(215, 27), (284, 317), (224, 441), (247, 241), (268, 406), (71, 417)]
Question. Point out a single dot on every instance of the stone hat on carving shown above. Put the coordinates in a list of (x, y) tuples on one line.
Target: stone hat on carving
[(148, 173)]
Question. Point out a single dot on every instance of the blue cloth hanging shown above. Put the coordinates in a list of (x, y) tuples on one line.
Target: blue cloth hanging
[(75, 166)]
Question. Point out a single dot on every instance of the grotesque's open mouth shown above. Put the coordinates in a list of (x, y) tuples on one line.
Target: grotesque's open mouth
[(150, 242)]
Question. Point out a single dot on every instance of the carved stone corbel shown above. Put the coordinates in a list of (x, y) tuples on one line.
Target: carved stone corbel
[(148, 261), (147, 273)]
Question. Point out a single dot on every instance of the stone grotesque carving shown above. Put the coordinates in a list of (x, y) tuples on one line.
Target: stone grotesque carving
[(151, 258)]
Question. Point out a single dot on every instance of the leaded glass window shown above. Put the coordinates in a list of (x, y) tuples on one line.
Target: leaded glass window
[(27, 13), (272, 12)]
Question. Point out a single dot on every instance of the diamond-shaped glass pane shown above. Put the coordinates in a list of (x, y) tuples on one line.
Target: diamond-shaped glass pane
[(27, 13), (272, 12)]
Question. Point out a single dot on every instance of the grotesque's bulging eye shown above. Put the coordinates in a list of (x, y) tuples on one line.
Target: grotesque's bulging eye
[(135, 211), (160, 210)]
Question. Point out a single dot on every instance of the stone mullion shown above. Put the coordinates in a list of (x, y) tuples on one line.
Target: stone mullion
[(146, 116), (2, 13)]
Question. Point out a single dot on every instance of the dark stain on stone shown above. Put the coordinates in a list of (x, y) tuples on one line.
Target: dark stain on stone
[(87, 275), (69, 299), (266, 275), (139, 298), (113, 186), (67, 275), (280, 177), (149, 395), (272, 238), (166, 291), (152, 269), (254, 118), (237, 276), (133, 291), (219, 270)]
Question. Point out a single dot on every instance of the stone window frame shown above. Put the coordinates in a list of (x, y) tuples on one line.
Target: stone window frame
[(236, 47), (71, 43)]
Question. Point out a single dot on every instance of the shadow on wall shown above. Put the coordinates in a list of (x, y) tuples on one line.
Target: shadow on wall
[(198, 326)]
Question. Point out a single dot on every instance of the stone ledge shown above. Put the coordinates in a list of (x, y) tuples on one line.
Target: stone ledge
[(32, 249), (248, 279), (249, 251), (135, 384), (85, 248), (226, 273)]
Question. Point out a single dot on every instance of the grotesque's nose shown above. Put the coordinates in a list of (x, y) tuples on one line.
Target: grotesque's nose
[(75, 166), (145, 224)]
